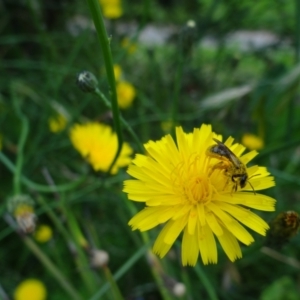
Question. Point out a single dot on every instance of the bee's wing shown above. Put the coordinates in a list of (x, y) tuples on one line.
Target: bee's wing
[(229, 154), (232, 157)]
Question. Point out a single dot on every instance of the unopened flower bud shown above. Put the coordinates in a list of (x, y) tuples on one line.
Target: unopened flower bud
[(87, 81), (282, 229), (99, 258), (22, 208)]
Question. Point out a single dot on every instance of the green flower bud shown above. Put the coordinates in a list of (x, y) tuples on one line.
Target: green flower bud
[(87, 81), (282, 228)]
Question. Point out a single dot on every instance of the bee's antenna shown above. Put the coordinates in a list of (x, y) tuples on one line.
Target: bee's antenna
[(253, 176), (252, 186), (250, 182)]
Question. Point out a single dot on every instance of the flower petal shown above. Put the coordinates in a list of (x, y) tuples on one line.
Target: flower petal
[(214, 224), (201, 214), (207, 245), (230, 245), (145, 219), (192, 221), (174, 229), (248, 156), (190, 250), (246, 217), (257, 201), (239, 232), (160, 247)]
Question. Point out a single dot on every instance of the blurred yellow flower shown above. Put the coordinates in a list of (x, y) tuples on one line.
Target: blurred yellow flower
[(30, 289), (167, 126), (118, 72), (43, 233), (110, 2), (252, 141), (57, 123), (98, 144), (184, 193), (128, 45), (125, 93), (112, 9)]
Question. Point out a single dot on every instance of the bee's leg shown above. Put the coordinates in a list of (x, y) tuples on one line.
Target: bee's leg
[(234, 179), (227, 181), (234, 188), (219, 165)]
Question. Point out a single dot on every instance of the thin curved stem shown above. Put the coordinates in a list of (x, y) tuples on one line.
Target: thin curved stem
[(123, 121), (105, 46), (39, 187), (21, 143)]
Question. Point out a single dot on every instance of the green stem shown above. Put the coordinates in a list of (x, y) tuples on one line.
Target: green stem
[(178, 79), (105, 46), (35, 186), (279, 147), (186, 281), (297, 30), (292, 101), (154, 263), (81, 260), (206, 283), (123, 121), (157, 273), (114, 287), (122, 271), (51, 268), (21, 143), (48, 47), (56, 221)]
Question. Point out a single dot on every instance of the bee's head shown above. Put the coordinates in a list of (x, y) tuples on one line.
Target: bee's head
[(243, 180)]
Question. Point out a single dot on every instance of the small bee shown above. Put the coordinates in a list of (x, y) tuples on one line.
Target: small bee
[(233, 168)]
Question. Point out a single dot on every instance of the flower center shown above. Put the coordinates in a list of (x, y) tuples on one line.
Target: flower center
[(190, 180)]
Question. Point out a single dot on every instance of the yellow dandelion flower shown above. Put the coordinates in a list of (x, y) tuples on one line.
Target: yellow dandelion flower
[(57, 123), (252, 141), (128, 45), (32, 289), (112, 10), (98, 144), (182, 189), (126, 94), (43, 234), (117, 72)]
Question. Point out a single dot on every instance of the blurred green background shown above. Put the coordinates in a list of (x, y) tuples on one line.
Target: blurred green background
[(232, 64)]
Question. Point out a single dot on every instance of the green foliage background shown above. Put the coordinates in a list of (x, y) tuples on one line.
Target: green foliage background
[(39, 62)]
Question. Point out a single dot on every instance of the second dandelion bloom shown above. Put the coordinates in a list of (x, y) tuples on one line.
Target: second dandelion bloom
[(252, 141), (98, 144), (180, 190), (126, 93), (112, 9)]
